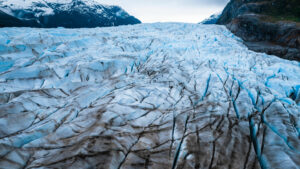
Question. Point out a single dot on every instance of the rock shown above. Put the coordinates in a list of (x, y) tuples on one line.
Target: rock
[(252, 21), (8, 20), (11, 21)]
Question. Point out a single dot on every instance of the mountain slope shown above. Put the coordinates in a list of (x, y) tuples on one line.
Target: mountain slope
[(213, 19), (274, 24), (7, 20), (69, 14), (145, 96)]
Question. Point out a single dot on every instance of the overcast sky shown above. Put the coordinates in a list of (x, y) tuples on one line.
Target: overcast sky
[(147, 11)]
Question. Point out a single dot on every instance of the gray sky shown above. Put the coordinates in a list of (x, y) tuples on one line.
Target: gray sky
[(147, 11)]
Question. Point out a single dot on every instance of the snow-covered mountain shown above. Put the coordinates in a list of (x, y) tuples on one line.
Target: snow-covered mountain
[(212, 19), (165, 95), (63, 13)]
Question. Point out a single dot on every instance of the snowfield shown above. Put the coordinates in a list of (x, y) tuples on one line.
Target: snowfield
[(163, 95), (42, 7)]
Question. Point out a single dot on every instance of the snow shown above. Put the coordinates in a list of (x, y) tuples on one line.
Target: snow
[(122, 14), (42, 8), (59, 87), (21, 4), (212, 19)]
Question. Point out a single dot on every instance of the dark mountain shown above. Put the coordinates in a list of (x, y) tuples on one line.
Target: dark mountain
[(270, 26), (7, 20), (68, 14)]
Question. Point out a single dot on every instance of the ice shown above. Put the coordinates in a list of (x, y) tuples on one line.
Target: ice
[(6, 65), (16, 122), (161, 95)]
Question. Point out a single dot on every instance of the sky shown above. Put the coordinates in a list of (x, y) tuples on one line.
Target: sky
[(190, 11)]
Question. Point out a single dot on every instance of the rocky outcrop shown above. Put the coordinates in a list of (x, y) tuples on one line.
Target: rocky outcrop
[(263, 29), (68, 14)]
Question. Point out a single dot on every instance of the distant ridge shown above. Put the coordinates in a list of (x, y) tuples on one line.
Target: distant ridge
[(212, 19), (58, 13)]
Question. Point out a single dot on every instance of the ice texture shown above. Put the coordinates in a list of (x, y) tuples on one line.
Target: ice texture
[(162, 95)]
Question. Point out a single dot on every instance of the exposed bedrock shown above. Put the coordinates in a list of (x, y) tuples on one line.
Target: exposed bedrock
[(269, 26)]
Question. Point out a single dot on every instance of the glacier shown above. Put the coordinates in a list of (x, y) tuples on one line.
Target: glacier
[(160, 95)]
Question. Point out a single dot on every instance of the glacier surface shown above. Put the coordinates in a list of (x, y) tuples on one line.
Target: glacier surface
[(162, 95)]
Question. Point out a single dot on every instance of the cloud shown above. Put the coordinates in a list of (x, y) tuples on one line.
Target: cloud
[(168, 2), (170, 10), (203, 2)]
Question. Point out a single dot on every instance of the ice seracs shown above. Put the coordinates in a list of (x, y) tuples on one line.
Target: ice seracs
[(165, 95)]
